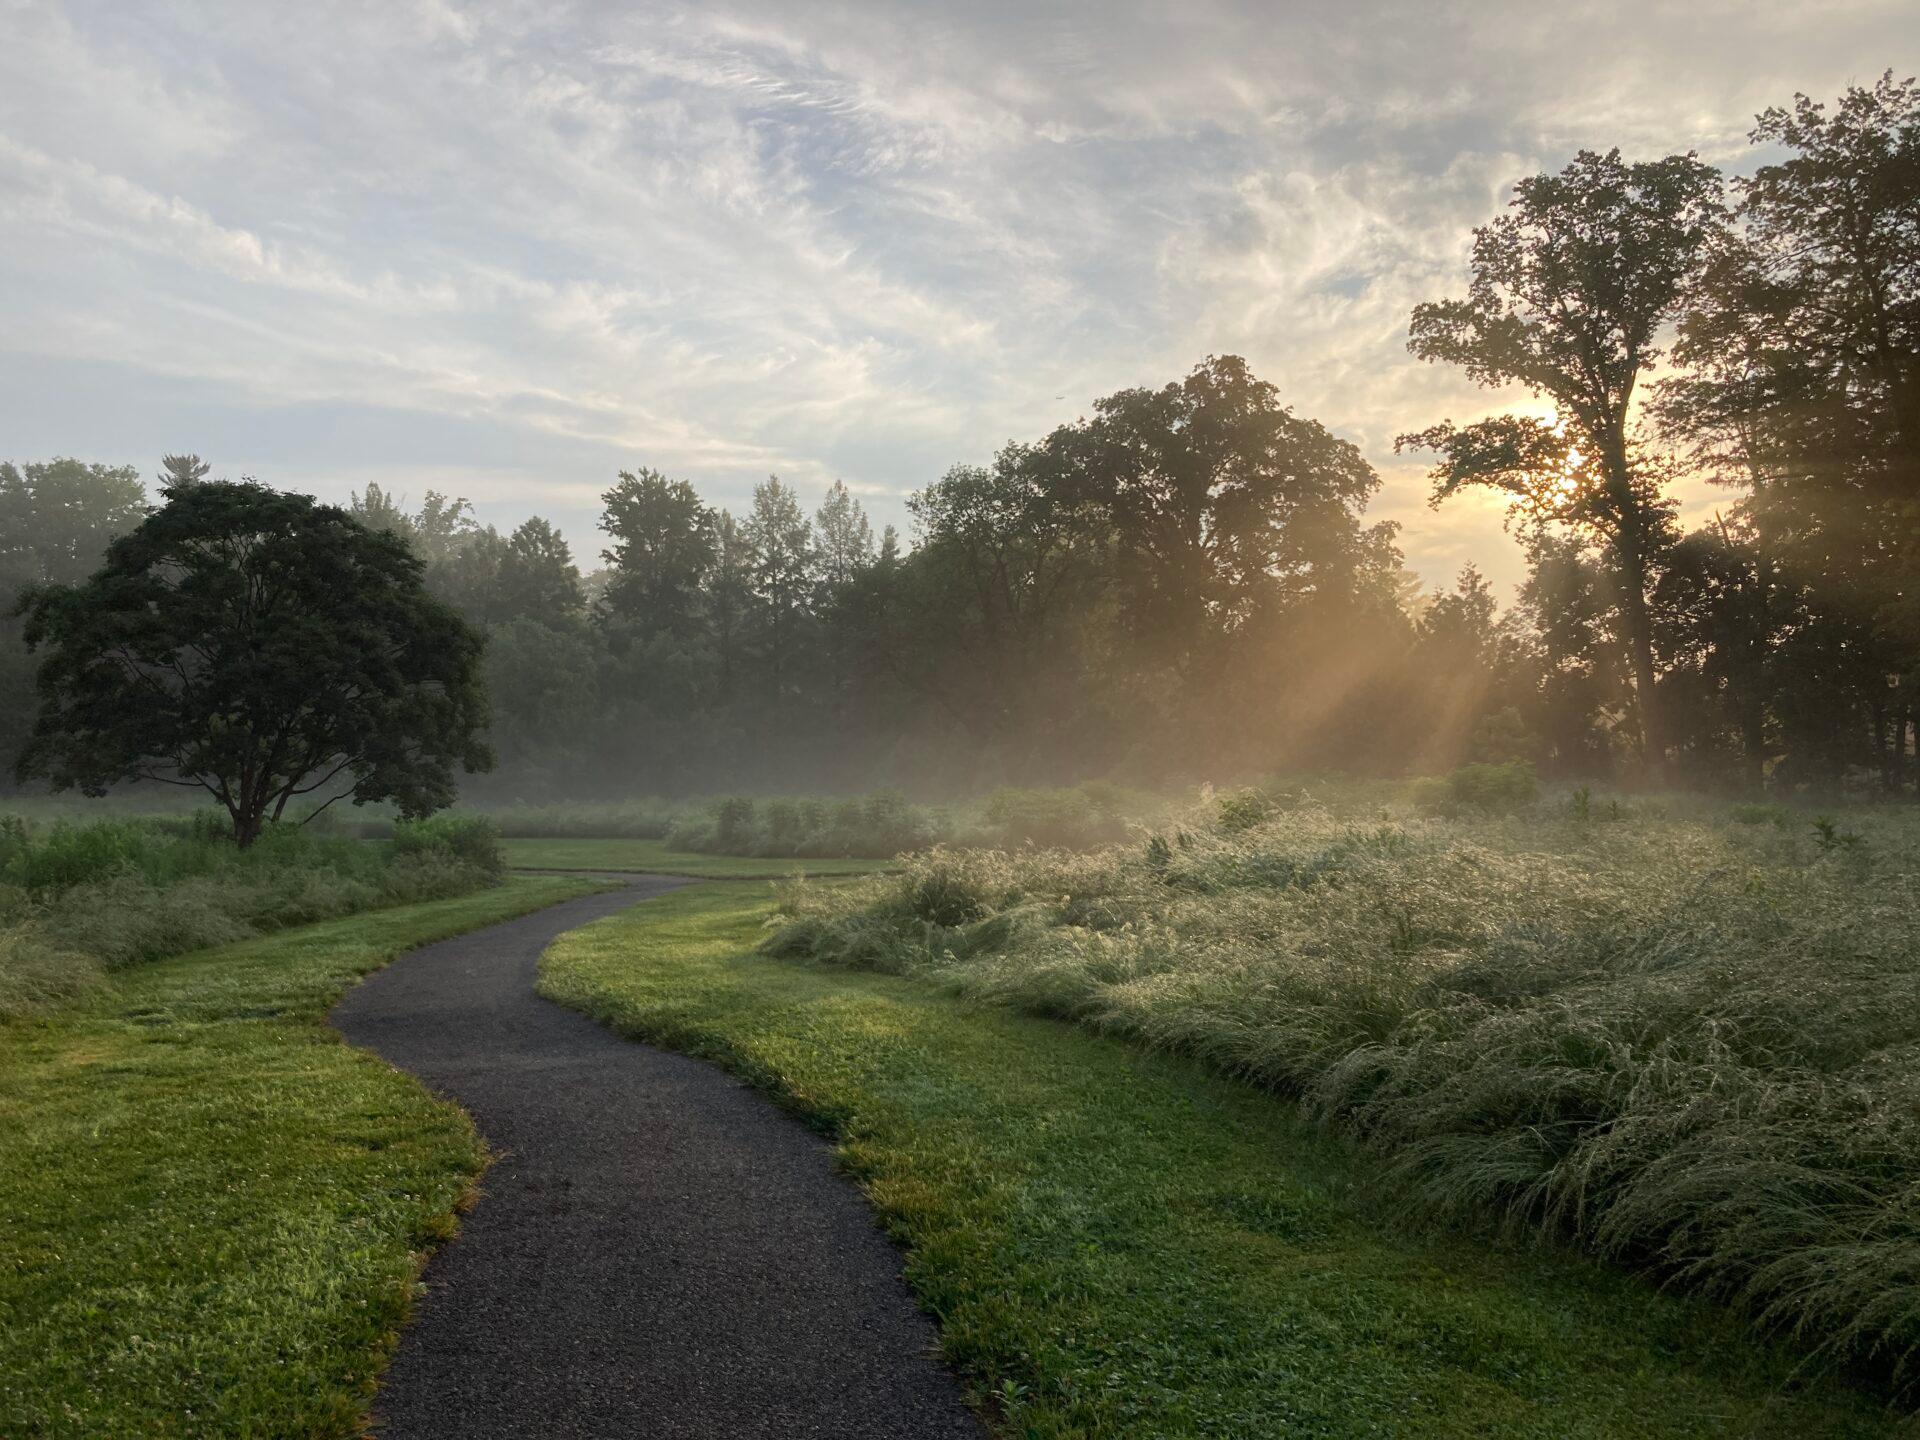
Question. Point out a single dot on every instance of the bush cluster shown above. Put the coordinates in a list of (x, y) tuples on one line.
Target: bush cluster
[(1075, 818), (642, 819), (1477, 790), (1687, 1042), (881, 824)]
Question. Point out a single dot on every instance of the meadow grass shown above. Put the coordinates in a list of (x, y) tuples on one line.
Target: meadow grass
[(655, 857), (214, 1211), (1681, 1035), (1123, 1243), (80, 900)]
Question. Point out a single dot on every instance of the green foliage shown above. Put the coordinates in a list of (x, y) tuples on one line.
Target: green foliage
[(944, 893), (1072, 818), (641, 819), (232, 600), (471, 840), (1244, 810), (654, 857), (881, 824), (1676, 1040), (1478, 789), (1758, 813), (1829, 837), (87, 898)]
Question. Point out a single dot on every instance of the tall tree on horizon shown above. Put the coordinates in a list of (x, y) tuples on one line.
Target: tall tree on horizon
[(1802, 348), (1572, 292), (662, 547)]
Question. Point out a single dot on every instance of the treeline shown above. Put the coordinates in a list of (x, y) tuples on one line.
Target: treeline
[(1183, 584)]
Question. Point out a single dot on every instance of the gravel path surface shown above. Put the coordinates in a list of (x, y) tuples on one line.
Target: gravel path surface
[(657, 1251)]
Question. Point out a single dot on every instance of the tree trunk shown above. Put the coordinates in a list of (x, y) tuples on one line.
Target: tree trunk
[(1630, 545), (247, 825), (1633, 600)]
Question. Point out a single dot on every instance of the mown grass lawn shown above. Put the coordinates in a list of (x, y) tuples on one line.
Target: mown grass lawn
[(1121, 1244), (211, 1210), (654, 858)]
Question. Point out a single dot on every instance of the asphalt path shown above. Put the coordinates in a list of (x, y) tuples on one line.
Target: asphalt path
[(657, 1251)]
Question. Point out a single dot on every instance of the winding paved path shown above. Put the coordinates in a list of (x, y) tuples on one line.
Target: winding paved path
[(657, 1251)]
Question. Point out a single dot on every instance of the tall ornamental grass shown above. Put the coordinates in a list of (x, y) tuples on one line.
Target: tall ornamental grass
[(1689, 1040), (77, 901)]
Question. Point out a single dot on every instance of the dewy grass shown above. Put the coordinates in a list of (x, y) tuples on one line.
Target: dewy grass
[(78, 900), (1122, 1244), (1688, 1042), (211, 1211)]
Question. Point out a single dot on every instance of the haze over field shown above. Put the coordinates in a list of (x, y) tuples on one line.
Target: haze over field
[(505, 250)]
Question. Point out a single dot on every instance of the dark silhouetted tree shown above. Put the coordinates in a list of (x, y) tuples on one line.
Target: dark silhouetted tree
[(261, 647), (1571, 293)]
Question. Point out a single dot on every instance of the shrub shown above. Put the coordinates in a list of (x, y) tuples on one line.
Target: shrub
[(1478, 789), (882, 824), (1244, 809), (733, 825), (642, 819), (942, 893), (1076, 818), (466, 839)]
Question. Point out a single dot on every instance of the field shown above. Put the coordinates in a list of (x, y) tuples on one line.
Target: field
[(656, 858), (1678, 1034), (215, 1209), (1122, 1243), (1371, 1101)]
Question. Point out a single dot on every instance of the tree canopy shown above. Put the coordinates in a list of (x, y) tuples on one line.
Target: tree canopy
[(261, 647)]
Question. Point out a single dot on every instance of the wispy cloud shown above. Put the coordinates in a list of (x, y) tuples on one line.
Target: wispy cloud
[(507, 248)]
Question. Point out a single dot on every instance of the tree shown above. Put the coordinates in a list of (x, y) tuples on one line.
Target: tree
[(1572, 290), (662, 548), (845, 538), (1576, 660), (729, 598), (261, 647), (1802, 347), (1003, 569), (56, 518), (178, 470), (537, 579), (783, 576), (1219, 498)]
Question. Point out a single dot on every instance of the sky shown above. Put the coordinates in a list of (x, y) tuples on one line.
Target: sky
[(505, 250)]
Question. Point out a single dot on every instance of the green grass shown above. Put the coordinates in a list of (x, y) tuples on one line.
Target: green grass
[(1120, 1243), (1683, 1040), (653, 857), (213, 1209)]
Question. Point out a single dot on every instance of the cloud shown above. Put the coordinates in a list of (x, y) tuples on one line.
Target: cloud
[(507, 248)]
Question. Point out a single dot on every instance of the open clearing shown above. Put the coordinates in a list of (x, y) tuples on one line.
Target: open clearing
[(1118, 1243)]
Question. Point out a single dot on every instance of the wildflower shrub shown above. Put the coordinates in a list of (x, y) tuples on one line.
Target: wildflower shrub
[(1689, 1043), (77, 901)]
